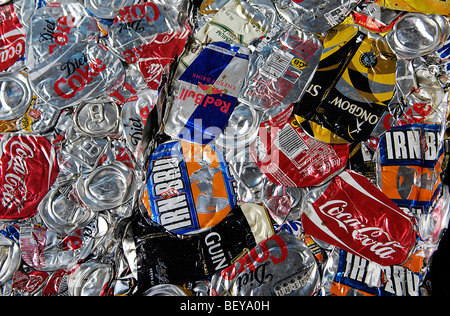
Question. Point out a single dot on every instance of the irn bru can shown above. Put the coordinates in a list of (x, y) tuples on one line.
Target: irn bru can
[(189, 187)]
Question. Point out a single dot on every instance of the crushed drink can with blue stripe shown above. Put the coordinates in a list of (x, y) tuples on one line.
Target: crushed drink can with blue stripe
[(188, 188), (205, 94)]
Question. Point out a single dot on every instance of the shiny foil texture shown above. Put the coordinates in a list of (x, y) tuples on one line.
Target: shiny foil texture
[(356, 216), (28, 168)]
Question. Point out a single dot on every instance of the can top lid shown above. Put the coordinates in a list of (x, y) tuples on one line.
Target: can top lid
[(15, 95), (414, 35), (97, 119), (107, 186)]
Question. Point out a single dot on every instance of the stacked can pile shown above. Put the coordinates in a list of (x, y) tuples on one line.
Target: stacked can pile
[(222, 147)]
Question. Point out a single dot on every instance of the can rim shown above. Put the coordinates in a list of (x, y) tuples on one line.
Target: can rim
[(407, 52), (100, 133), (19, 109)]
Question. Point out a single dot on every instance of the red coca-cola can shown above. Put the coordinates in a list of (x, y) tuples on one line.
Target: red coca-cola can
[(351, 213), (28, 168)]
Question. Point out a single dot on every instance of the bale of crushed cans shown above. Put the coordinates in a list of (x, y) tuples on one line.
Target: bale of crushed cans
[(222, 147)]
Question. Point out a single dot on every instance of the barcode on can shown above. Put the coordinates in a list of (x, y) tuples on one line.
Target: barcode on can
[(276, 64), (289, 142)]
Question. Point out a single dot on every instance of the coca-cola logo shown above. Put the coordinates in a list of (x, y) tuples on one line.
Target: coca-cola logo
[(79, 73), (12, 37), (14, 185), (28, 169), (378, 241), (357, 217), (152, 72), (148, 11), (10, 53)]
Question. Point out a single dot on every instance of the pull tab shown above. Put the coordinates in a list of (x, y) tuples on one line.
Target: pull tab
[(91, 148), (96, 113)]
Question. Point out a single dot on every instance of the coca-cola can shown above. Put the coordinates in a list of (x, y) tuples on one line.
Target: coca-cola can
[(56, 25), (28, 169), (137, 25), (133, 117), (374, 228), (12, 37), (76, 73)]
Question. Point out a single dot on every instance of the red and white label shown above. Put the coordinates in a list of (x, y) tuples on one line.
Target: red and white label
[(28, 168), (356, 216), (155, 57), (12, 37), (290, 157)]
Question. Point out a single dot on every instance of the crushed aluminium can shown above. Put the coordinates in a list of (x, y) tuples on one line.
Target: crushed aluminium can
[(353, 84), (409, 162), (61, 214), (420, 98), (15, 99), (160, 257), (418, 34), (290, 157), (375, 18), (12, 37), (283, 203), (133, 117), (80, 154), (138, 25), (281, 265), (188, 187), (235, 22), (241, 129), (106, 9), (433, 225), (107, 186), (11, 258), (76, 73), (28, 169), (205, 94), (45, 250), (347, 274), (281, 68), (167, 290), (157, 56), (250, 180), (351, 213), (97, 118), (315, 16), (56, 25), (90, 278)]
